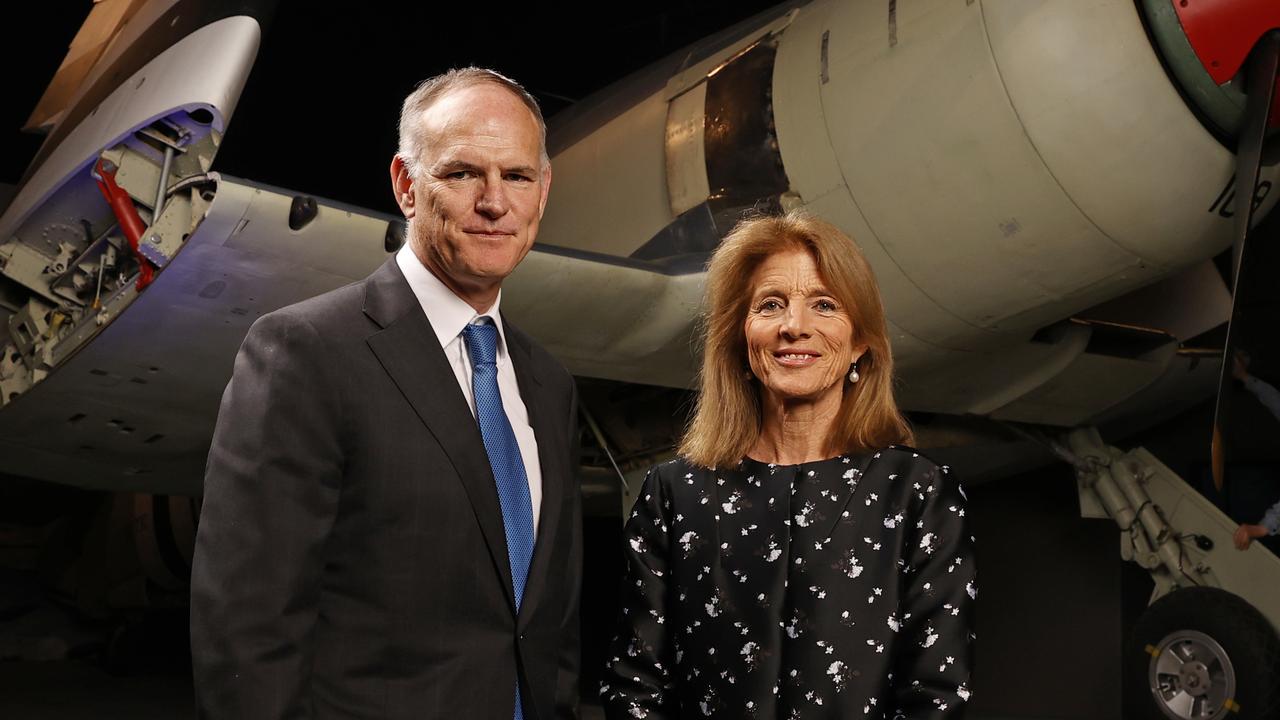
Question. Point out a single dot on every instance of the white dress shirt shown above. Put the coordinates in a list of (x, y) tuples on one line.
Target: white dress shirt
[(448, 315)]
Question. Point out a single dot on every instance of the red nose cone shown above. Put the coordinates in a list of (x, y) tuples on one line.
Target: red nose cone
[(1222, 32)]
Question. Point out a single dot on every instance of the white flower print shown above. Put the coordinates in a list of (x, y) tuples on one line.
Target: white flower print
[(713, 606), (731, 507), (802, 517), (839, 675), (687, 541), (930, 636), (774, 553), (740, 591), (850, 566)]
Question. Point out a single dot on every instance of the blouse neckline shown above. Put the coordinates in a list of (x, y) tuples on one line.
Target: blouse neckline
[(847, 458)]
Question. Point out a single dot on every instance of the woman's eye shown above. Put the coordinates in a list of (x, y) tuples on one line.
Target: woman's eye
[(825, 306), (769, 305)]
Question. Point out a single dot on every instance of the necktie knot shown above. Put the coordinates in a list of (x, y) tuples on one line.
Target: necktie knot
[(482, 342)]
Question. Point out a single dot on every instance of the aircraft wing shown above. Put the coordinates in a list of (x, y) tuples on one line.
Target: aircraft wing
[(1039, 200)]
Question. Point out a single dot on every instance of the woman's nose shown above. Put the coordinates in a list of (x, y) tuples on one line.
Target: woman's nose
[(795, 322)]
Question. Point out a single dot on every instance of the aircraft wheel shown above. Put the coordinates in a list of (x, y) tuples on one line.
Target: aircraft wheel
[(1204, 654)]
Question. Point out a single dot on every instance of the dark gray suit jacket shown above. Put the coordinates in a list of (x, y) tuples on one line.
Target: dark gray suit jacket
[(350, 560)]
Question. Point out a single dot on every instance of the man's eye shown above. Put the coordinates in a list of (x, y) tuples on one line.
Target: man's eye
[(459, 175), (518, 177)]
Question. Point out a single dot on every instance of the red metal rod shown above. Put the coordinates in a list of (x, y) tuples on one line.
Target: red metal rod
[(127, 215)]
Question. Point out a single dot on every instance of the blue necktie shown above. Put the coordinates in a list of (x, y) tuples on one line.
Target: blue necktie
[(504, 457)]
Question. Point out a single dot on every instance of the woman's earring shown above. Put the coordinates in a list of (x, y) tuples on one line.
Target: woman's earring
[(853, 373)]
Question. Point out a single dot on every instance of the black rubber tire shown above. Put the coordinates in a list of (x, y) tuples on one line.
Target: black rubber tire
[(1250, 641)]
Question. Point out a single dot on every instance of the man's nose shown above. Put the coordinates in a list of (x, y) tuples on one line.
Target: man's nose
[(492, 202)]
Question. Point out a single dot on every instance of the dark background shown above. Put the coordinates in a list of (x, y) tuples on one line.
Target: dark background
[(318, 116), (319, 112)]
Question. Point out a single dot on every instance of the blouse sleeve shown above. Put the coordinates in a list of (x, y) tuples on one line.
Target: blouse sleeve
[(637, 681), (939, 586)]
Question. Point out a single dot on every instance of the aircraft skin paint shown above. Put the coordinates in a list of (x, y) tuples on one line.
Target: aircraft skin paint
[(988, 204)]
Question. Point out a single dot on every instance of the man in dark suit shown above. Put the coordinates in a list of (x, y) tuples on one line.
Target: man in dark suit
[(391, 524)]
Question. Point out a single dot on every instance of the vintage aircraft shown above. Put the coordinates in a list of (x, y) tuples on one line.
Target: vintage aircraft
[(1041, 185)]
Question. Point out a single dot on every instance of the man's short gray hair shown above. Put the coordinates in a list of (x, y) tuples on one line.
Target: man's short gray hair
[(432, 89)]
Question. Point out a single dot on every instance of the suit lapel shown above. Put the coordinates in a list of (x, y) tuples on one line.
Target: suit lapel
[(552, 452), (411, 354)]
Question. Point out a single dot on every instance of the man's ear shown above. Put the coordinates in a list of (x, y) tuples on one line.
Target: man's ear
[(546, 188), (402, 186)]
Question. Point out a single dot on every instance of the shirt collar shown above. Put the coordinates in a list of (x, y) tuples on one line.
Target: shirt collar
[(446, 312)]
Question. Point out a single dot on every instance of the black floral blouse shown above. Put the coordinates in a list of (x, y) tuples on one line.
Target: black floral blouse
[(841, 588)]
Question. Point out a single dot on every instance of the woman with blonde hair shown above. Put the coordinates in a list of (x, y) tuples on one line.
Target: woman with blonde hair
[(796, 559)]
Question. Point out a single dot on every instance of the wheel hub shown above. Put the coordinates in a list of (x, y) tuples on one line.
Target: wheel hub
[(1191, 677), (1195, 678)]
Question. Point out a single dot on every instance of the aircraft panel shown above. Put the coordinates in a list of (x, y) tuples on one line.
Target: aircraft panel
[(179, 77), (1113, 130), (944, 174)]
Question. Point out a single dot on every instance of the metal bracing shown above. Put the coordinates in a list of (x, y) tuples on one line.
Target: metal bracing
[(1166, 526)]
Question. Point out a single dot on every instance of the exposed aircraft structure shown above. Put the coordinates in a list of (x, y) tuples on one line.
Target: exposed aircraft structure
[(1001, 200), (1041, 186)]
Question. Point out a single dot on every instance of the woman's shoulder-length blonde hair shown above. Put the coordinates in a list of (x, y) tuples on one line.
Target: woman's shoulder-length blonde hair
[(727, 415)]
